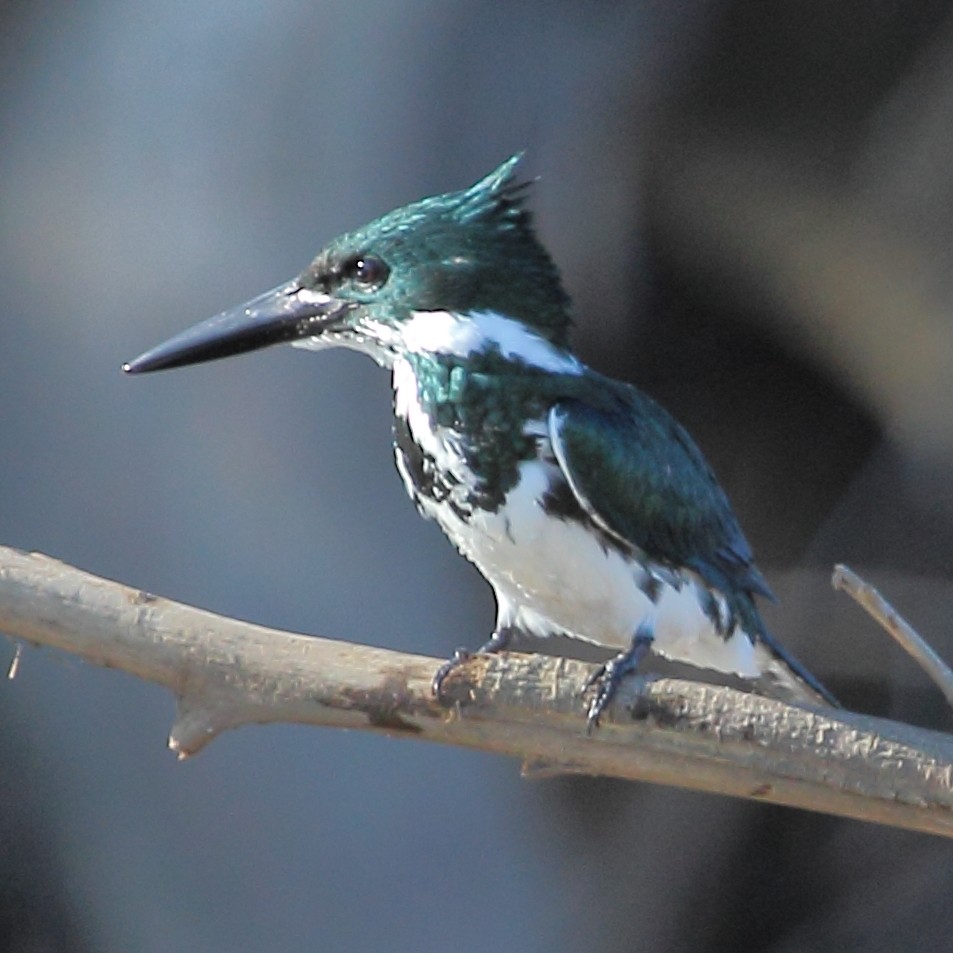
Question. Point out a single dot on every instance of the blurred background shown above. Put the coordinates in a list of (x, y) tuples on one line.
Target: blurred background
[(752, 204)]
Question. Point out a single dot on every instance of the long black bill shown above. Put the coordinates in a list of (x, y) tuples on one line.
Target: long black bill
[(283, 314)]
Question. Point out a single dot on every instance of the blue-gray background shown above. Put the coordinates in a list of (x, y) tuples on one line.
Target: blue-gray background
[(752, 205)]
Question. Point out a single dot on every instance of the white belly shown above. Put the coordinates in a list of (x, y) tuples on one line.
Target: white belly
[(554, 576)]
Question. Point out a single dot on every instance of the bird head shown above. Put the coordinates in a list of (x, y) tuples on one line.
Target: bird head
[(462, 252)]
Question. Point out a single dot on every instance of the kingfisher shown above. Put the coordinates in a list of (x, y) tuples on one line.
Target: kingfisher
[(587, 507)]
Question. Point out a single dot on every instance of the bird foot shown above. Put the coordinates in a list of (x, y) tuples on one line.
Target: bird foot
[(457, 659), (608, 677), (499, 640)]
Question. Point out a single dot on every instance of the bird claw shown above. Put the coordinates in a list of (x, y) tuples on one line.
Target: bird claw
[(609, 676), (499, 640), (457, 659)]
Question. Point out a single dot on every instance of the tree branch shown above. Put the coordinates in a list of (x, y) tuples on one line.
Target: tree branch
[(225, 673), (874, 604)]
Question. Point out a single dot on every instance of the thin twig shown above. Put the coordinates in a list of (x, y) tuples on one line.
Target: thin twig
[(899, 629), (225, 673)]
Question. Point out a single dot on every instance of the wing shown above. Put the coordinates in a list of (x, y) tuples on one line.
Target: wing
[(637, 473)]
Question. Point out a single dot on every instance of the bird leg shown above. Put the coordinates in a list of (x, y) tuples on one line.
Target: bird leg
[(500, 639), (609, 676)]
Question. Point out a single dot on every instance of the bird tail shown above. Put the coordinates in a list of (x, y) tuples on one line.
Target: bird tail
[(785, 678)]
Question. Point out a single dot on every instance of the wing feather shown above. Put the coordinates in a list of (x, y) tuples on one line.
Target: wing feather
[(639, 476)]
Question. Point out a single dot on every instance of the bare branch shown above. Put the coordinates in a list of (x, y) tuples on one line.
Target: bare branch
[(227, 673), (899, 629)]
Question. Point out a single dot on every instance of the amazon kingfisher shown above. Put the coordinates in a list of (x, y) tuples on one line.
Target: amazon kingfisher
[(587, 507)]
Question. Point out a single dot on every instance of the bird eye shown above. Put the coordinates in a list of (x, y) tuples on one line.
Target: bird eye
[(366, 270)]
